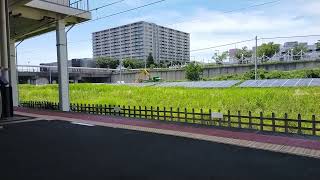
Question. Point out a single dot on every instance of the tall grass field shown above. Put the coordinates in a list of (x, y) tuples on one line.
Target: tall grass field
[(267, 100)]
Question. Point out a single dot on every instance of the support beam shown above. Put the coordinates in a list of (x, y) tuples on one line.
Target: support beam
[(4, 42), (13, 74), (6, 91), (62, 56)]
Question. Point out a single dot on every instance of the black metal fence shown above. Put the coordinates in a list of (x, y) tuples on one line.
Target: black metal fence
[(199, 117)]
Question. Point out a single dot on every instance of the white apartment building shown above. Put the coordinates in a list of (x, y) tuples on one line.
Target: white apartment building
[(138, 40)]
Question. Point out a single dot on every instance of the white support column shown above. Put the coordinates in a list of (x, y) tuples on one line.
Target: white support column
[(62, 56), (4, 41), (13, 74)]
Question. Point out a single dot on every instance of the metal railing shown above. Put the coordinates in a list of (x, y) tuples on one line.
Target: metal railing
[(54, 69), (77, 4), (286, 57)]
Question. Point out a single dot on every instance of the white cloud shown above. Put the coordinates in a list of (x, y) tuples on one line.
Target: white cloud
[(210, 27)]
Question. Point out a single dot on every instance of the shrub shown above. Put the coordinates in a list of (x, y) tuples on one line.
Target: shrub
[(193, 71)]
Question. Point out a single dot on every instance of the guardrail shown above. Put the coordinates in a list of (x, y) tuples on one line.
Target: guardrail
[(54, 69), (77, 4), (208, 118)]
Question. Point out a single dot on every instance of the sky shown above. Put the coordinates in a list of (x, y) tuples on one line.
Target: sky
[(209, 22)]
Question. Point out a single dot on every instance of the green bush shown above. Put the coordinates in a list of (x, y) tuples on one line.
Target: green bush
[(193, 72)]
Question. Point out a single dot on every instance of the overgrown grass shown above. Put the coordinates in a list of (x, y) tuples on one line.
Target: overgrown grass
[(278, 100)]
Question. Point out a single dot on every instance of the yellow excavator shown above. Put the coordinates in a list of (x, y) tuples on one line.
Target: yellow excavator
[(144, 76)]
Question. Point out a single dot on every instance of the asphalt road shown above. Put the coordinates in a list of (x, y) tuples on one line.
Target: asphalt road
[(61, 150)]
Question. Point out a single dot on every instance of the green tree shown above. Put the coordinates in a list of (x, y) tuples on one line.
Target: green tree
[(193, 71), (297, 50), (318, 45), (268, 49), (150, 60), (133, 63), (219, 58), (107, 62), (243, 52)]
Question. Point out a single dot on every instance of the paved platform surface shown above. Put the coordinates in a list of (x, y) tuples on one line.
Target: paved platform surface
[(293, 145), (63, 150)]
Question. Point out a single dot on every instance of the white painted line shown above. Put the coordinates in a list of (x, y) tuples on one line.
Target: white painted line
[(82, 124)]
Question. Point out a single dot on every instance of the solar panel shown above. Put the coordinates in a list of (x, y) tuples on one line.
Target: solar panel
[(304, 82), (315, 82), (199, 84), (290, 83), (281, 83)]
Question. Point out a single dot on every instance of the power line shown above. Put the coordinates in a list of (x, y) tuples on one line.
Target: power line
[(234, 10), (125, 11), (288, 37), (225, 12), (97, 8), (228, 44), (114, 14), (223, 45), (268, 38)]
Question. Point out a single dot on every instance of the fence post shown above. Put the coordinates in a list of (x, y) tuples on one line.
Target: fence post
[(109, 109), (158, 114), (178, 114), (185, 115), (97, 108), (145, 112), (299, 124), (261, 121), (119, 107), (134, 112), (101, 109), (164, 114), (202, 120), (273, 122), (151, 112), (85, 108), (113, 110), (105, 109), (250, 120), (239, 119), (171, 115), (286, 123), (129, 111), (124, 111), (193, 116), (140, 112), (229, 119), (210, 117), (219, 120), (314, 131)]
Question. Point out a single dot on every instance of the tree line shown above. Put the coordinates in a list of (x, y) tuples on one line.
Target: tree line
[(266, 50), (130, 63)]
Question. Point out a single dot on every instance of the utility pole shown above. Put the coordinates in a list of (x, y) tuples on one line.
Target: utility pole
[(256, 59), (120, 71), (145, 63)]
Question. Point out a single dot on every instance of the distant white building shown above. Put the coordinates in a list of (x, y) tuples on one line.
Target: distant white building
[(138, 40)]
